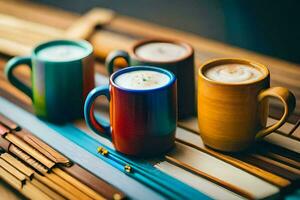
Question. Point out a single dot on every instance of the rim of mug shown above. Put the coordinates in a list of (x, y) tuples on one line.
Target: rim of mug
[(218, 61), (187, 46), (81, 43), (142, 67)]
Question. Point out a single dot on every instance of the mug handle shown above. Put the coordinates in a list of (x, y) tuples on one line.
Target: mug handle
[(110, 60), (101, 127), (11, 65), (289, 102)]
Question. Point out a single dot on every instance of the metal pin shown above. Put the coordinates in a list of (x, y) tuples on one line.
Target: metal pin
[(294, 128), (117, 196), (128, 168)]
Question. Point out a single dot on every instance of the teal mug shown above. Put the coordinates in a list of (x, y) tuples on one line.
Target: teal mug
[(62, 75)]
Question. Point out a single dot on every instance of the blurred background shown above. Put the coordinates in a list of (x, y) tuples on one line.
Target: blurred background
[(266, 26)]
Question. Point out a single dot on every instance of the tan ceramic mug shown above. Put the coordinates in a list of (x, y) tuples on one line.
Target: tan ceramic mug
[(232, 113)]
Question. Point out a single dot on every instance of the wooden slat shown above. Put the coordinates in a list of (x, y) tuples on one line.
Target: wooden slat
[(13, 161), (211, 178), (268, 181), (267, 176), (283, 73), (38, 13), (117, 37)]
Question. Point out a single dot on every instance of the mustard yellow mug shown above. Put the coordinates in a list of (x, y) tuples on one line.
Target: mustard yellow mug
[(233, 103)]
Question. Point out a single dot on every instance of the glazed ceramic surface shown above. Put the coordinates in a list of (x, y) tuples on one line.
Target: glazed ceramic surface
[(60, 87), (232, 115), (142, 122), (182, 67)]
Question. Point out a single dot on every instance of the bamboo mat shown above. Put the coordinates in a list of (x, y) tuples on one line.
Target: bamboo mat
[(273, 169)]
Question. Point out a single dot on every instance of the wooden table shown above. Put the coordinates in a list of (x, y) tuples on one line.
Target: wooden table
[(122, 32)]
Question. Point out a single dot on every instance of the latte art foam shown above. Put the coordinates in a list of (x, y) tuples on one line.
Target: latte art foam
[(142, 80), (161, 51), (233, 73), (61, 53)]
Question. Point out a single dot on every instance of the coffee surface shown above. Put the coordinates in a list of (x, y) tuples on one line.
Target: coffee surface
[(61, 53), (233, 73), (160, 51), (142, 80)]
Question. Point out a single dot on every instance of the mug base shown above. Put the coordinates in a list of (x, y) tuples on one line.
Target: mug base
[(150, 148), (59, 120), (229, 147)]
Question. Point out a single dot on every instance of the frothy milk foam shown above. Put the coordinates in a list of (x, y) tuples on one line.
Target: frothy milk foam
[(233, 73), (61, 52), (142, 79), (160, 51)]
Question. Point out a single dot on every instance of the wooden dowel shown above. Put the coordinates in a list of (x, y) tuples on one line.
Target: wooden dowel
[(85, 25), (209, 177), (28, 26), (13, 48), (28, 149), (46, 189), (34, 193), (27, 159), (279, 164), (14, 162), (43, 148), (8, 123), (61, 190), (265, 175), (85, 189), (67, 186), (11, 169), (294, 128), (26, 189), (10, 179)]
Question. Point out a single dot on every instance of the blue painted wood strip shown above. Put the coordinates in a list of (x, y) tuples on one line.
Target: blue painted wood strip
[(131, 187), (156, 177), (87, 142)]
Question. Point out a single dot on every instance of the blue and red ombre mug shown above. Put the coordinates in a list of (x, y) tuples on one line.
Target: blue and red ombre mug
[(62, 75), (143, 120)]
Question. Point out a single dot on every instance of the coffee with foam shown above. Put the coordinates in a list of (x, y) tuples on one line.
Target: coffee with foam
[(61, 53), (233, 73), (161, 51), (142, 80)]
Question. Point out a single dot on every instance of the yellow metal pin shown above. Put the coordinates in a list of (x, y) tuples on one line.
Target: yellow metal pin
[(128, 168)]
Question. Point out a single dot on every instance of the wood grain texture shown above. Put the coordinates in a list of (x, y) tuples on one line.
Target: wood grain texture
[(28, 149), (272, 178), (124, 31), (8, 192), (43, 148), (235, 183), (85, 189), (209, 177)]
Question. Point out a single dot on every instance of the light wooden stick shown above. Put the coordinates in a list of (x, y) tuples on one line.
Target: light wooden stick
[(26, 189), (30, 175), (31, 27), (271, 178), (27, 159), (28, 149), (77, 184), (46, 190), (62, 183), (209, 177), (5, 165), (55, 187), (14, 162), (85, 25)]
